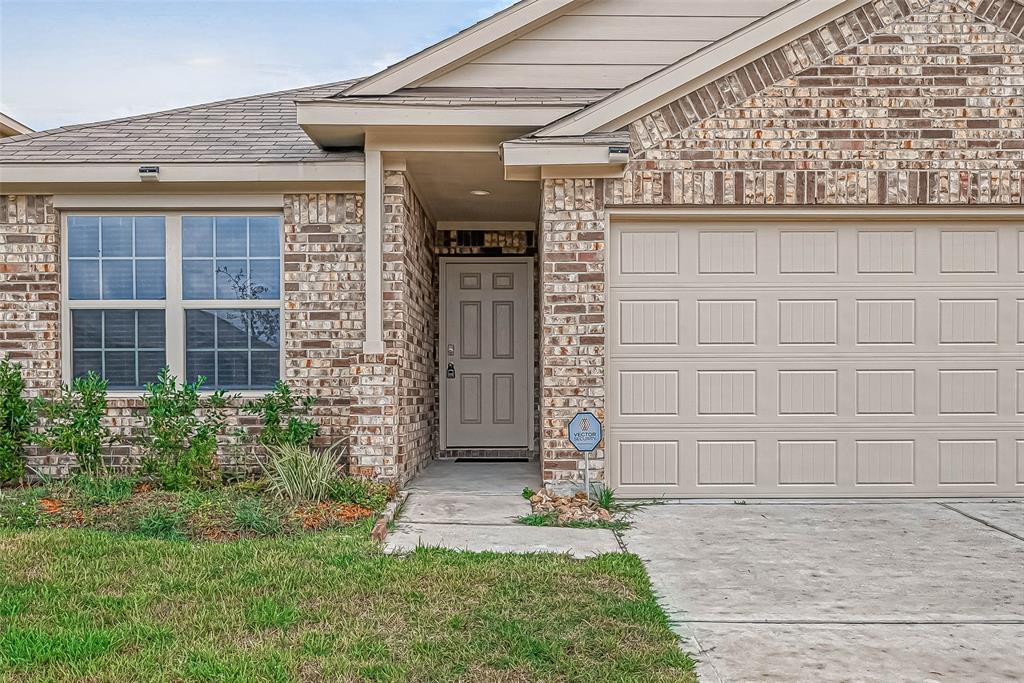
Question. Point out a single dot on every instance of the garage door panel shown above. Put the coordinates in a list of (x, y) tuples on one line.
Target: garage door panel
[(801, 463), (730, 320), (882, 390), (816, 359), (776, 252)]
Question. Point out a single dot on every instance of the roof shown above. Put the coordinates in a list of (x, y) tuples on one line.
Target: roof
[(257, 128)]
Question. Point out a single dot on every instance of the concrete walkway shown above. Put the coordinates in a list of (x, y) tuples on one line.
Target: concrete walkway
[(473, 506), (841, 591)]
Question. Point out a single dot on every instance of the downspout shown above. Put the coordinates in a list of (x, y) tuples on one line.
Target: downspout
[(374, 215)]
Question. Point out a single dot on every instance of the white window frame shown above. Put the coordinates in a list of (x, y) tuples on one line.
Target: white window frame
[(173, 303)]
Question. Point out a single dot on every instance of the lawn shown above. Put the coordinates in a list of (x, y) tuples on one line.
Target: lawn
[(80, 604)]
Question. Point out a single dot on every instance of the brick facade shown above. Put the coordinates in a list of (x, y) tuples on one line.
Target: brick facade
[(395, 418), (323, 321), (902, 102)]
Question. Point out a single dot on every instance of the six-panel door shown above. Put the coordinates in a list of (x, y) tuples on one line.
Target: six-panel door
[(486, 354)]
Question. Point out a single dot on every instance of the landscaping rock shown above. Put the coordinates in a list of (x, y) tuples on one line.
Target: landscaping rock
[(571, 508)]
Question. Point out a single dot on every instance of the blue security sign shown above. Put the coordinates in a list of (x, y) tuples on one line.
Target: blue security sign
[(585, 432)]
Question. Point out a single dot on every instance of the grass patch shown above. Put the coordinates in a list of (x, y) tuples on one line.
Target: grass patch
[(85, 605)]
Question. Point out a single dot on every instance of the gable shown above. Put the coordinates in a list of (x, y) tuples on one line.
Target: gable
[(929, 108), (605, 44)]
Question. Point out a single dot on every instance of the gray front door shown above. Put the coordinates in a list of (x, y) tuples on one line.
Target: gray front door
[(486, 353)]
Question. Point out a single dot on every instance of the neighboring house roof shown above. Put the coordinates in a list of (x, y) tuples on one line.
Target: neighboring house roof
[(258, 128), (9, 127)]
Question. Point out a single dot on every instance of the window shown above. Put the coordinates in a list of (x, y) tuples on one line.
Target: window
[(200, 294)]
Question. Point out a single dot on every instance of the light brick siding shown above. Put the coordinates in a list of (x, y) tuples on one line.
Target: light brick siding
[(30, 287), (902, 102), (323, 319), (572, 301), (394, 428)]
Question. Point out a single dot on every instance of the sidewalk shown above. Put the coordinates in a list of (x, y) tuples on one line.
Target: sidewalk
[(473, 506)]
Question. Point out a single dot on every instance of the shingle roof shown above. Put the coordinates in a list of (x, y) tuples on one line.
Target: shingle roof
[(258, 128)]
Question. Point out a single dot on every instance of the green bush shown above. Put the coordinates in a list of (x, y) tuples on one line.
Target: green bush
[(300, 473), (17, 418), (181, 428), (284, 416), (75, 422)]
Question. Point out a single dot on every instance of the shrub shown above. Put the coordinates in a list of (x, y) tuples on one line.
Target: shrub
[(284, 416), (300, 473), (17, 418), (75, 422), (182, 427)]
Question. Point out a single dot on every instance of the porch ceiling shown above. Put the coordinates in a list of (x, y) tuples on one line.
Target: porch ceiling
[(445, 181)]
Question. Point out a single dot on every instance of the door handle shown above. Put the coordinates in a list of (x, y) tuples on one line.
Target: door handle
[(450, 373)]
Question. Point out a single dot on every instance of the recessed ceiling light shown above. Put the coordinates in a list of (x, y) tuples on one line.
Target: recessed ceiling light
[(479, 193)]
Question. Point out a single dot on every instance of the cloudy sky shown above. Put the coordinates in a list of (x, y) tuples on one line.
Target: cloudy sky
[(65, 62)]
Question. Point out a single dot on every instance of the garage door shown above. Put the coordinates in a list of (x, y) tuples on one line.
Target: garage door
[(816, 359)]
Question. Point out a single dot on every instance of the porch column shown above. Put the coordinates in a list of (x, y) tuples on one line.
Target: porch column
[(374, 208)]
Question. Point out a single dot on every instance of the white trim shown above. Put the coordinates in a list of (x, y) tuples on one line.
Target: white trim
[(185, 173), (837, 213), (9, 127), (700, 68), (541, 154), (373, 211), (498, 28), (191, 202), (342, 113), (442, 364), (173, 304)]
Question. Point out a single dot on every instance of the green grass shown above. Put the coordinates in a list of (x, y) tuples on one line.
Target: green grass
[(90, 605)]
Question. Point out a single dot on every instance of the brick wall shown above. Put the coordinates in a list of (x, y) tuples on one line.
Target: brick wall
[(394, 428), (30, 288), (572, 303), (323, 318), (902, 102)]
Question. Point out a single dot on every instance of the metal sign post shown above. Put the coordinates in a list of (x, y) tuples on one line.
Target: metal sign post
[(585, 435)]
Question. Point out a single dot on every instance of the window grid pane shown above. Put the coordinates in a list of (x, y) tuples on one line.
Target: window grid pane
[(243, 258), (221, 360), (98, 355), (103, 257)]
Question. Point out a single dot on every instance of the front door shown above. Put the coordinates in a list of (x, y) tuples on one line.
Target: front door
[(486, 353)]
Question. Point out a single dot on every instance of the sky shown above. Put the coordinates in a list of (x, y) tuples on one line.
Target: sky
[(89, 60)]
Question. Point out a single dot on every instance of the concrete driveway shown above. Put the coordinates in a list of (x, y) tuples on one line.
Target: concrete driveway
[(841, 591)]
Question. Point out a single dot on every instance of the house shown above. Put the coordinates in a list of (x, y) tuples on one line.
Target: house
[(777, 248)]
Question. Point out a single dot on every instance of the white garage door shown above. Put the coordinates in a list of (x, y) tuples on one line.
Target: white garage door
[(816, 359)]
